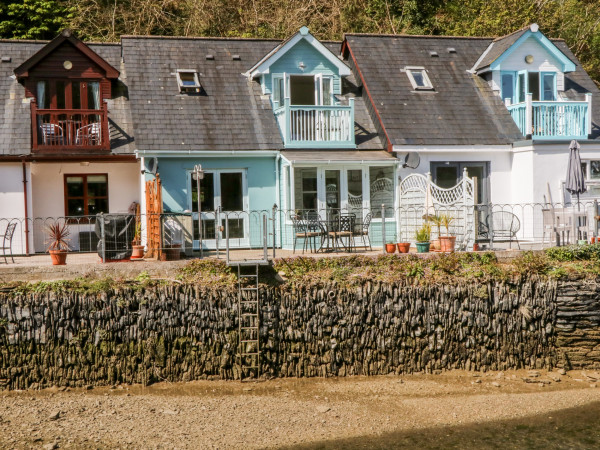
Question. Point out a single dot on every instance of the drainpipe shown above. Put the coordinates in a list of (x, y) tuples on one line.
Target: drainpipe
[(278, 191), (26, 207)]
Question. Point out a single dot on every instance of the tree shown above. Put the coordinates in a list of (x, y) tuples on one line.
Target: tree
[(33, 19)]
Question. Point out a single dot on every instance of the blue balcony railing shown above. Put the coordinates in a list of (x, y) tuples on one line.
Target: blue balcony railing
[(553, 120), (322, 126)]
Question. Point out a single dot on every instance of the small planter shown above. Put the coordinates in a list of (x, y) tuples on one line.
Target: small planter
[(422, 247), (447, 243), (59, 257), (137, 252), (390, 248), (403, 247)]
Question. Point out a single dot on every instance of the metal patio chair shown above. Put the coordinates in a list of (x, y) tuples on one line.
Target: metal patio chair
[(504, 226), (7, 241), (362, 230), (51, 133), (88, 134)]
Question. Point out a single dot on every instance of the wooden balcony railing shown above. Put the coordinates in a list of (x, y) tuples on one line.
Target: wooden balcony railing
[(553, 120), (318, 126), (69, 129)]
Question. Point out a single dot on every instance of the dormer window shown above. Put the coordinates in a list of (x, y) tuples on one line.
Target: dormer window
[(188, 81), (418, 78)]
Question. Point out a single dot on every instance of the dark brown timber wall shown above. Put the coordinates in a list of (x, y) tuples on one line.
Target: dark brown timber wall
[(181, 332)]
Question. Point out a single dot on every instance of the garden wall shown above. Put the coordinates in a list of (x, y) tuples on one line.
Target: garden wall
[(183, 332)]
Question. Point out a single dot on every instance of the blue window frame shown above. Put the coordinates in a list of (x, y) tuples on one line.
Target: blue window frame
[(548, 86), (508, 86), (521, 86)]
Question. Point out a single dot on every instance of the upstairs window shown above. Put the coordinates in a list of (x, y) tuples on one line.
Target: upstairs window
[(188, 81), (418, 78), (541, 86)]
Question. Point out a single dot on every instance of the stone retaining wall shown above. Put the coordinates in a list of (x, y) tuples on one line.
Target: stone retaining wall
[(181, 332)]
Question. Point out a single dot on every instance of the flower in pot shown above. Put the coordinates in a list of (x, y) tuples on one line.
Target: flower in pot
[(136, 244), (58, 238), (437, 221), (390, 246), (422, 236), (447, 242)]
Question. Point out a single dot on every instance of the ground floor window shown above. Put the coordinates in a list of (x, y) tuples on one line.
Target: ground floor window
[(448, 174), (355, 189), (86, 194)]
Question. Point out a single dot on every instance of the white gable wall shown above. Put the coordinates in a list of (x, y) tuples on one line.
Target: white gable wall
[(12, 203)]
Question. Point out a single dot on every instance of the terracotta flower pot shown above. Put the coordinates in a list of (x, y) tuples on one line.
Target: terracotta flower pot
[(390, 248), (434, 244), (59, 257), (137, 252), (403, 247), (447, 243)]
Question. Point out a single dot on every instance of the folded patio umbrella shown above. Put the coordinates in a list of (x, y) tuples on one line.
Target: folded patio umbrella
[(575, 182), (429, 210)]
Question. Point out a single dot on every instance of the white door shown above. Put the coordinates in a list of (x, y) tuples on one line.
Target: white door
[(224, 198)]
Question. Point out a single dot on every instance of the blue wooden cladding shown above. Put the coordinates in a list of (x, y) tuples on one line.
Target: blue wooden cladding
[(552, 120), (319, 126)]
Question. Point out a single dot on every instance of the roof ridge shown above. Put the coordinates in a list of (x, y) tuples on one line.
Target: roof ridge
[(432, 36), (498, 38), (199, 38)]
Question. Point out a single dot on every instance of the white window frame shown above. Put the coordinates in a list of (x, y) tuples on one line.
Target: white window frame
[(409, 72), (187, 88)]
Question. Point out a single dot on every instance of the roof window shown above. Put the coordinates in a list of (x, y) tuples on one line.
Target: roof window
[(418, 78), (188, 81)]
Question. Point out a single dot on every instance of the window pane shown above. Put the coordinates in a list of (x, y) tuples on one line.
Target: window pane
[(93, 95), (76, 94), (446, 176), (355, 196), (382, 189), (75, 207), (60, 94), (207, 187), (418, 77), (74, 186), (327, 91), (305, 189), (548, 86), (508, 86), (332, 188), (236, 227), (187, 78), (595, 170), (232, 195), (97, 205), (521, 87), (97, 186), (534, 85)]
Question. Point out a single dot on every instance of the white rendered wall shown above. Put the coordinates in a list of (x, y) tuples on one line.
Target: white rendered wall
[(12, 203), (47, 188)]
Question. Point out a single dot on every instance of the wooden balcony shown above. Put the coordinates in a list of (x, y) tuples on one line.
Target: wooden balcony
[(64, 130), (316, 126), (553, 120)]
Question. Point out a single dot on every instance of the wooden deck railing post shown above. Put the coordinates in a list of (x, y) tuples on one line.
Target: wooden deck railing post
[(588, 99), (528, 115), (34, 125)]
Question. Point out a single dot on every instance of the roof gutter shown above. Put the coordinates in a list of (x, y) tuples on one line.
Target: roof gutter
[(205, 153)]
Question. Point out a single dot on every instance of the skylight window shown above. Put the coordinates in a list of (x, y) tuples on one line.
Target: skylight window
[(418, 78), (188, 81)]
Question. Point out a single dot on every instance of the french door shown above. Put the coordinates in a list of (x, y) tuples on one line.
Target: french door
[(448, 174), (224, 202)]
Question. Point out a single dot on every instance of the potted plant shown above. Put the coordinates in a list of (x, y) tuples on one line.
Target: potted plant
[(437, 221), (136, 244), (423, 235), (447, 242), (403, 247), (390, 246), (58, 237)]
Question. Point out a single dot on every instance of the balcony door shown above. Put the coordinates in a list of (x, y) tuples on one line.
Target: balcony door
[(224, 202)]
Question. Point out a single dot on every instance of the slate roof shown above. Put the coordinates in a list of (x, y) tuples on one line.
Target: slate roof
[(231, 113), (498, 46), (15, 115)]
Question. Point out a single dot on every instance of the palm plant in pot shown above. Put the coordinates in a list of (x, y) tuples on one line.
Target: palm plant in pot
[(437, 221), (58, 238), (422, 236), (447, 242), (136, 244)]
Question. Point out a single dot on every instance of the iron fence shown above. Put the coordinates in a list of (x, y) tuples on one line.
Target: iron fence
[(263, 234)]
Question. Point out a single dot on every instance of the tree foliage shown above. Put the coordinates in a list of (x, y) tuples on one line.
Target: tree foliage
[(576, 21)]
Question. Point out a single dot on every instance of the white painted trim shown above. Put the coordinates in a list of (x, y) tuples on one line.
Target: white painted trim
[(205, 153), (263, 66), (338, 162), (487, 50), (451, 148)]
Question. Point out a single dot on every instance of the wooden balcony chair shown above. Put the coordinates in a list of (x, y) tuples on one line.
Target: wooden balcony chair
[(52, 134), (7, 241), (89, 134)]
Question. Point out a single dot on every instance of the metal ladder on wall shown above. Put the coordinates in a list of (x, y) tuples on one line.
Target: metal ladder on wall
[(249, 322)]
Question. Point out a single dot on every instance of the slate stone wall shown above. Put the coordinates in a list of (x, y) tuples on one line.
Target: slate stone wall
[(181, 332)]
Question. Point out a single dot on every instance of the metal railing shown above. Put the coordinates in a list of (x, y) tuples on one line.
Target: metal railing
[(264, 234)]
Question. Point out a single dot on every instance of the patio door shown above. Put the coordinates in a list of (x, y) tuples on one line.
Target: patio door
[(448, 174), (224, 201)]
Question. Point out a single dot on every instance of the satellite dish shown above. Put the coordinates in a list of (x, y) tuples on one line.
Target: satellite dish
[(152, 165), (411, 160)]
